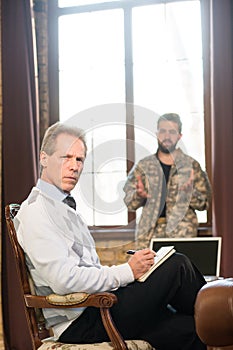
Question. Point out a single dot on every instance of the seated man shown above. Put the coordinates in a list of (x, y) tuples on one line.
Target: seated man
[(61, 256)]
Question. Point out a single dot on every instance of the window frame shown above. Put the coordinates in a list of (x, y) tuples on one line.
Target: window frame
[(127, 232)]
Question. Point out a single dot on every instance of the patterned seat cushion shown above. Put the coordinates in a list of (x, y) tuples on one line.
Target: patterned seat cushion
[(132, 345)]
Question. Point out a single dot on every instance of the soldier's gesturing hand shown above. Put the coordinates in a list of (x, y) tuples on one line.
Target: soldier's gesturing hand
[(141, 192)]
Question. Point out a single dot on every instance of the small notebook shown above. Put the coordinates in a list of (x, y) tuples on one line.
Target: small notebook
[(161, 255)]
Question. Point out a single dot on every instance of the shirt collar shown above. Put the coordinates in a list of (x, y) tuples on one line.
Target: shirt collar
[(51, 190)]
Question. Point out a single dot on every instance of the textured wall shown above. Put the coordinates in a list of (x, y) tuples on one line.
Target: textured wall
[(40, 13), (1, 332)]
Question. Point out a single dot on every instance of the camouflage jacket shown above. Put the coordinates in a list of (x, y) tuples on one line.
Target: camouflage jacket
[(181, 219)]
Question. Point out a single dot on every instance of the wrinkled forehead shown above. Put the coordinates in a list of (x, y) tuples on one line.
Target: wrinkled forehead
[(168, 125), (69, 144)]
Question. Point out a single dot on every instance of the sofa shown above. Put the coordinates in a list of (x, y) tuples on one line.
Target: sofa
[(214, 314)]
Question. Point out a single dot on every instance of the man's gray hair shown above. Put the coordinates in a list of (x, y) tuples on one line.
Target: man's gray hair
[(49, 141)]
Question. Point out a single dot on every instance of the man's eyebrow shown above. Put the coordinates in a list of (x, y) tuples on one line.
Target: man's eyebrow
[(71, 156)]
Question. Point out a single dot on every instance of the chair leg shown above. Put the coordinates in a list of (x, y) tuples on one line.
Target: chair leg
[(114, 335)]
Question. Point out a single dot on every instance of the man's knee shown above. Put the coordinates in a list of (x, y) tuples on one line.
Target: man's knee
[(179, 259)]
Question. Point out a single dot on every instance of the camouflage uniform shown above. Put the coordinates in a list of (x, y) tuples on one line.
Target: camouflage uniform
[(181, 219)]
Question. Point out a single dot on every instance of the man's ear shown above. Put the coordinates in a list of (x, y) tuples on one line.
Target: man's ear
[(180, 135), (43, 159)]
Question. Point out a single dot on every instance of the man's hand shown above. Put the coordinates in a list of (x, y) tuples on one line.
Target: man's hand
[(141, 261), (141, 192), (188, 185)]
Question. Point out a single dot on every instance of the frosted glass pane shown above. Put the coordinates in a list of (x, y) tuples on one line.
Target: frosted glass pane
[(91, 58), (68, 3), (99, 198), (84, 196), (144, 130), (105, 131), (170, 86), (108, 200), (109, 148), (183, 24)]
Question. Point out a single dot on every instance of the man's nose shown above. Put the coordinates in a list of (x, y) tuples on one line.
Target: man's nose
[(74, 164)]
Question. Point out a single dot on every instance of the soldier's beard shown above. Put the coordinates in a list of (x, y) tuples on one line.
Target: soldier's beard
[(167, 149)]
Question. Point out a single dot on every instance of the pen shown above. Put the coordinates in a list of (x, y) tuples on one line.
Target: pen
[(131, 252)]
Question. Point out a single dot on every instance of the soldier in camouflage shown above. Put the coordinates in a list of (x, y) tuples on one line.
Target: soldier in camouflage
[(169, 186)]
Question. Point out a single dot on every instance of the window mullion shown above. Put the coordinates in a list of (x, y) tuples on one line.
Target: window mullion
[(129, 96)]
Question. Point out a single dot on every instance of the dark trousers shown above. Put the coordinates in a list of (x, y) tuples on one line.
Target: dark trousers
[(159, 310)]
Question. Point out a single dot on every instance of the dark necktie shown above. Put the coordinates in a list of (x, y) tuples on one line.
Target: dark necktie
[(70, 201)]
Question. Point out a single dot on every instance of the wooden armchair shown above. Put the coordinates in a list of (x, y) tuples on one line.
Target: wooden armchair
[(40, 336)]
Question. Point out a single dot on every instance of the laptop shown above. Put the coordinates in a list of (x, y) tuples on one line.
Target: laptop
[(204, 252)]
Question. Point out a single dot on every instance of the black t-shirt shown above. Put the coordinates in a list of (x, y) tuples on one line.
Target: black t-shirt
[(166, 171)]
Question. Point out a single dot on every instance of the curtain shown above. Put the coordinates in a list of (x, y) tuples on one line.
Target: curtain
[(222, 127), (20, 148)]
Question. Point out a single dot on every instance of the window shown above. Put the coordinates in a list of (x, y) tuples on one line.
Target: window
[(121, 65)]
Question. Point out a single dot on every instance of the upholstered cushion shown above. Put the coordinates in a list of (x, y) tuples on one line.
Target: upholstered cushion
[(132, 345), (68, 299)]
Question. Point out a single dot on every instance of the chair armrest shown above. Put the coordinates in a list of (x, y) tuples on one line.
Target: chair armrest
[(214, 313), (104, 301), (73, 300)]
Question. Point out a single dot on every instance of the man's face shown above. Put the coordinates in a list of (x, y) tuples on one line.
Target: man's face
[(63, 168), (168, 135)]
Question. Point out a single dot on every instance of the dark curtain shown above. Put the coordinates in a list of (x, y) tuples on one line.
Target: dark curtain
[(20, 148), (222, 127)]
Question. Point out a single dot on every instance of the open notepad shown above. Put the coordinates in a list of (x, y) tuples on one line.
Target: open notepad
[(161, 255)]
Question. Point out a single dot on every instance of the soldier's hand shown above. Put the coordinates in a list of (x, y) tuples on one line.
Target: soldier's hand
[(141, 189), (187, 186)]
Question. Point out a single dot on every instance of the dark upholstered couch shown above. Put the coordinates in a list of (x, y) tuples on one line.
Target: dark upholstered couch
[(214, 314)]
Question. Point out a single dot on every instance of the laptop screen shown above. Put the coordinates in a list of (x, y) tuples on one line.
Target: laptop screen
[(204, 252)]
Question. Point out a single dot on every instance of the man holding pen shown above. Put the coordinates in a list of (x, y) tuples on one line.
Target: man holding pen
[(61, 256)]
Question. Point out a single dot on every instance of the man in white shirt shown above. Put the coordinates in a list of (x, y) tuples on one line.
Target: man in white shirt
[(61, 256)]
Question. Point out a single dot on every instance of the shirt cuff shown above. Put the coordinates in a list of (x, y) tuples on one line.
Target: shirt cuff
[(125, 273)]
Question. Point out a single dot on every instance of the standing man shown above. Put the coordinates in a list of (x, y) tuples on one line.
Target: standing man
[(61, 256), (169, 185)]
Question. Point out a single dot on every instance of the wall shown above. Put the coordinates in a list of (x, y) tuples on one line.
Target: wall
[(1, 330)]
